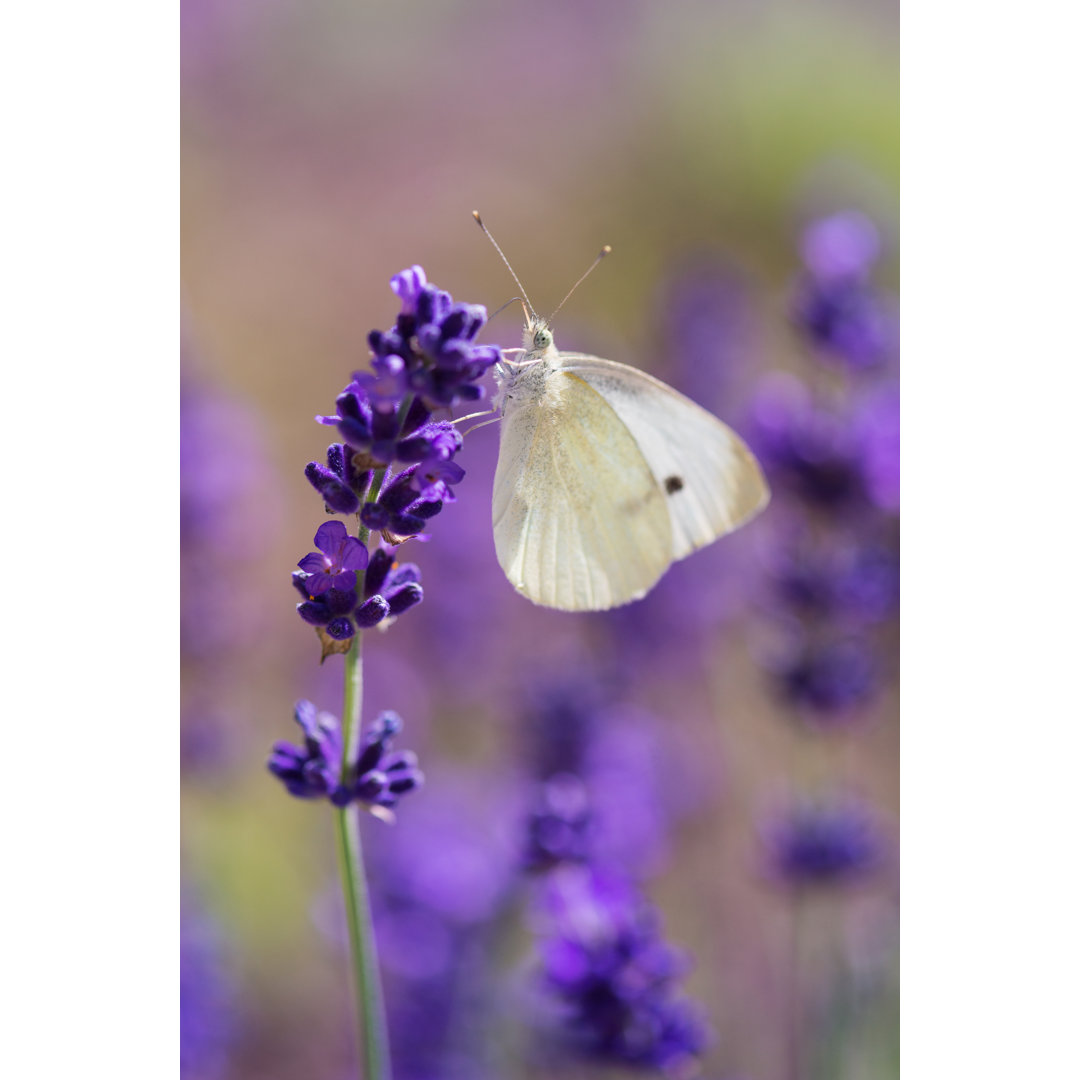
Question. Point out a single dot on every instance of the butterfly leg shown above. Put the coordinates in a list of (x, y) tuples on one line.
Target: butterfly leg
[(476, 427), (473, 416)]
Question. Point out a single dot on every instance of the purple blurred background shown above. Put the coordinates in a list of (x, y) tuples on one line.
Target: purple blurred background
[(722, 755)]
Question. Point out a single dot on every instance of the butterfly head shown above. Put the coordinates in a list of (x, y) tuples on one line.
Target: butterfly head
[(537, 339)]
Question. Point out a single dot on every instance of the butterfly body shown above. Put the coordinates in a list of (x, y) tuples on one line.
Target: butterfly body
[(606, 476)]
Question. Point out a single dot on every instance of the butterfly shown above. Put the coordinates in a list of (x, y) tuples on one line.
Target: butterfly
[(606, 475)]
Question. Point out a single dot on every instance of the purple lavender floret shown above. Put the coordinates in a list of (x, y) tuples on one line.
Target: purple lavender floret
[(382, 776), (372, 425), (834, 304), (341, 484), (312, 771), (401, 511), (332, 609), (822, 845), (335, 564), (397, 585), (333, 597), (606, 961)]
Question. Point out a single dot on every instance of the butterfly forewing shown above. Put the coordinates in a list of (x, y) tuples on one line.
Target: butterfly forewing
[(710, 479), (580, 521)]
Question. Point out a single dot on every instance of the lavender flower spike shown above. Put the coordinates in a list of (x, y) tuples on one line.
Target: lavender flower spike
[(608, 964)]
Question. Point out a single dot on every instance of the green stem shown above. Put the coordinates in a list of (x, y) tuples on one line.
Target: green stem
[(370, 1011)]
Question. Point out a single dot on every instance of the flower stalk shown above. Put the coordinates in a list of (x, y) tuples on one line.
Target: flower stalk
[(363, 951), (367, 986)]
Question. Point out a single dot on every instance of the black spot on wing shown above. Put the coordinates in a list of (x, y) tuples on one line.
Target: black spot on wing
[(673, 484)]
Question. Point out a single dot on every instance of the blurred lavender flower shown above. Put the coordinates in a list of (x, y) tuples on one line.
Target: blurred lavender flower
[(225, 497), (227, 508), (834, 304), (822, 844), (611, 780), (559, 718), (705, 320), (878, 430), (842, 247), (604, 958), (313, 771), (206, 996), (845, 582), (812, 451), (559, 826), (828, 679)]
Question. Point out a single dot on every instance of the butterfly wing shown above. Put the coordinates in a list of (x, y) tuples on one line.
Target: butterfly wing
[(711, 480), (580, 523)]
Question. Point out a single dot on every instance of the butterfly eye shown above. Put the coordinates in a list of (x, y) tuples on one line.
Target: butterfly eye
[(542, 339)]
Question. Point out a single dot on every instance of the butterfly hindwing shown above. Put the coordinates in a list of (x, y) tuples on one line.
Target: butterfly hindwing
[(580, 522), (711, 480)]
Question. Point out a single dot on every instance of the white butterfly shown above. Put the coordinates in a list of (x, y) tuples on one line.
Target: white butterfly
[(606, 476)]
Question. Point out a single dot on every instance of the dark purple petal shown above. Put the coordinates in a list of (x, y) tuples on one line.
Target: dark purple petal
[(378, 568), (343, 581), (375, 517), (398, 494), (330, 537), (336, 494), (406, 597), (371, 612), (353, 555), (341, 628), (313, 612), (409, 781), (285, 759), (371, 785), (417, 415), (404, 525), (313, 563), (307, 716), (339, 601), (403, 573), (407, 286), (356, 433)]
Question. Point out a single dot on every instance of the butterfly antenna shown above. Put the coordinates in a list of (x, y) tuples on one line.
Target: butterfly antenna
[(503, 307), (605, 250), (517, 280)]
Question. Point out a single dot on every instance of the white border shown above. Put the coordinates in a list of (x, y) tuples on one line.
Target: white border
[(89, 242)]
